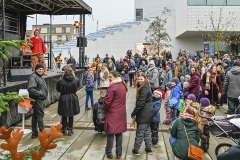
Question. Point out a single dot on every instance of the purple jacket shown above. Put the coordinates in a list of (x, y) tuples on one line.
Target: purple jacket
[(194, 84)]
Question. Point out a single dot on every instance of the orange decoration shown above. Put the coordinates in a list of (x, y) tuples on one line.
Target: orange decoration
[(12, 138), (46, 140), (26, 104)]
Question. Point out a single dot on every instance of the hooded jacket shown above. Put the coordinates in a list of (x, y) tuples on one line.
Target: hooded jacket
[(156, 102), (175, 94), (180, 146), (68, 104), (194, 84), (231, 85), (152, 74)]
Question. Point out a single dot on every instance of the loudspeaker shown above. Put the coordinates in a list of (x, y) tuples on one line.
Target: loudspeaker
[(19, 74), (71, 65)]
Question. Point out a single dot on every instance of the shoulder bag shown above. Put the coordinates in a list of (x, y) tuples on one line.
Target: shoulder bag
[(194, 153)]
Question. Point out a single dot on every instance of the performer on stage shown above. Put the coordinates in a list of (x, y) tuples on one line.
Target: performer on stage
[(38, 51), (58, 60)]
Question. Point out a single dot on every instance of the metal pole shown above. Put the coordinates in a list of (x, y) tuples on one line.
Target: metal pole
[(83, 35), (2, 34), (80, 35), (50, 39)]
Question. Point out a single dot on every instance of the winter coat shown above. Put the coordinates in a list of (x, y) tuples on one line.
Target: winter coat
[(132, 68), (231, 85), (89, 82), (182, 70), (167, 96), (167, 78), (115, 106), (180, 146), (68, 104), (104, 82), (98, 113), (152, 75), (194, 84), (156, 102), (37, 87), (143, 68), (214, 88), (144, 109), (175, 94), (227, 68)]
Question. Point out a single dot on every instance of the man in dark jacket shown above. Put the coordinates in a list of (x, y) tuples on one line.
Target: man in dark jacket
[(38, 91), (231, 87)]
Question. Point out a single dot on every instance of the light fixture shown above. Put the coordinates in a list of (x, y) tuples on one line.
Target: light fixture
[(77, 24)]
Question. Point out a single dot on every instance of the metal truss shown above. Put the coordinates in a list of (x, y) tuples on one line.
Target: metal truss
[(81, 44), (2, 36)]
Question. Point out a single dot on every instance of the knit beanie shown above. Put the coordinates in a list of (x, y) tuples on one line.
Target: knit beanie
[(169, 85), (160, 92), (152, 62), (204, 102), (175, 80), (188, 76), (39, 66), (192, 97)]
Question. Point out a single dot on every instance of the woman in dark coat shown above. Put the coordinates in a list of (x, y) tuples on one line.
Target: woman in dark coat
[(194, 84), (143, 112), (68, 104), (116, 114), (221, 74), (212, 85)]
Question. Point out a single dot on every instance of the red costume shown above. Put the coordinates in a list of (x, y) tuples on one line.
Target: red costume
[(38, 50)]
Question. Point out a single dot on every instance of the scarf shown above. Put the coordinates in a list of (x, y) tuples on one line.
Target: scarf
[(208, 81), (187, 115)]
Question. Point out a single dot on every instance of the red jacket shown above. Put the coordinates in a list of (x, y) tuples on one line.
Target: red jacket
[(115, 106), (194, 84), (38, 47)]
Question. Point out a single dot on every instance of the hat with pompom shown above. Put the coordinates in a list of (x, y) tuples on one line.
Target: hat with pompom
[(160, 92)]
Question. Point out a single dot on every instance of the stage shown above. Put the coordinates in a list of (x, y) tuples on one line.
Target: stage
[(11, 117)]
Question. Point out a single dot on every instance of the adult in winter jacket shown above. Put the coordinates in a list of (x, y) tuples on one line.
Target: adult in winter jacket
[(68, 105), (212, 85), (152, 75), (38, 91), (167, 77), (231, 87), (194, 84), (132, 68), (104, 82), (143, 112), (178, 138), (116, 114), (143, 67)]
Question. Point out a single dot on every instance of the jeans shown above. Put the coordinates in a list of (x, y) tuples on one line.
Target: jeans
[(232, 105), (109, 146), (143, 133), (89, 94), (173, 114)]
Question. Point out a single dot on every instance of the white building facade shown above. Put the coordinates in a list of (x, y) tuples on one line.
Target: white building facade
[(182, 25)]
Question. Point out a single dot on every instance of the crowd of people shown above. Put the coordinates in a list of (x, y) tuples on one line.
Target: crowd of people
[(183, 86)]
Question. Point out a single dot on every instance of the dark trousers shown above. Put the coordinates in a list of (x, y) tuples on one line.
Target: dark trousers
[(67, 123), (37, 117), (109, 146), (154, 130), (89, 95), (232, 105), (205, 136), (143, 133), (131, 78)]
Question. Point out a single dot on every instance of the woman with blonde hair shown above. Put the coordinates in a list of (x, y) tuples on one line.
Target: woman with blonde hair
[(178, 139), (221, 74), (143, 112), (68, 104), (104, 82)]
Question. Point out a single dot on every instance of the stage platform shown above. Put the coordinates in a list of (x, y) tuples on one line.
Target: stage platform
[(9, 118)]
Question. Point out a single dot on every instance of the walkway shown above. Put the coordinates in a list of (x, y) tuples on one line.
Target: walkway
[(86, 144)]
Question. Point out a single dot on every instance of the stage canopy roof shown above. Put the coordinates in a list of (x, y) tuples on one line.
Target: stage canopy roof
[(54, 7)]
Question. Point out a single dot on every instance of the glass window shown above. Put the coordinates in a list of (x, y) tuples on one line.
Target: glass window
[(63, 29), (66, 37), (53, 30), (216, 2), (233, 2), (139, 14), (197, 2), (59, 37)]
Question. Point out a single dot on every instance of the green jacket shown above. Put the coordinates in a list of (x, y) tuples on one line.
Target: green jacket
[(181, 107), (180, 146)]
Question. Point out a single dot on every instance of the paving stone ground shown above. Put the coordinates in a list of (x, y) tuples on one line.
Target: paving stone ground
[(86, 144)]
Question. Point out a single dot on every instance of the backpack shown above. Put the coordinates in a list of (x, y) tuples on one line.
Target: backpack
[(100, 118)]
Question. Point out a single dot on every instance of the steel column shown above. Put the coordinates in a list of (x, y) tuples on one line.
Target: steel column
[(81, 43), (2, 37)]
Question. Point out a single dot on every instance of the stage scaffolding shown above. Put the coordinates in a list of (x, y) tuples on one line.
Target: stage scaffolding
[(22, 8)]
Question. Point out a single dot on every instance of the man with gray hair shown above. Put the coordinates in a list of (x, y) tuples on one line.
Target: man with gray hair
[(231, 87)]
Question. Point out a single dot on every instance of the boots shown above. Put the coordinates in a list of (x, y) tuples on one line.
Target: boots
[(65, 132), (70, 132)]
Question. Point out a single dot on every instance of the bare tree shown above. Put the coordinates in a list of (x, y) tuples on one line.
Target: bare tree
[(157, 34), (220, 29)]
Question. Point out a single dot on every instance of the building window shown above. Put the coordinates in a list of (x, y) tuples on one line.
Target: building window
[(66, 37), (139, 14), (233, 2), (53, 30), (196, 2), (59, 37), (213, 2), (48, 30), (216, 2), (63, 29)]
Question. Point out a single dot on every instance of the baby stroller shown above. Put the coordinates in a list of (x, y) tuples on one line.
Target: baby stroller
[(223, 127)]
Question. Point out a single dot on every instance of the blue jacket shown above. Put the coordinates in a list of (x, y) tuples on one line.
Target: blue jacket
[(175, 94), (89, 82), (156, 102)]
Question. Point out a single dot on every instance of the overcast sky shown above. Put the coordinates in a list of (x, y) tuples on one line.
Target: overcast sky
[(106, 12)]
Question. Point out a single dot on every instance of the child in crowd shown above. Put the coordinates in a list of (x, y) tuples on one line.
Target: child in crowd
[(157, 97), (185, 91), (205, 136), (99, 113), (174, 100), (125, 72), (136, 77), (167, 120), (89, 87)]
